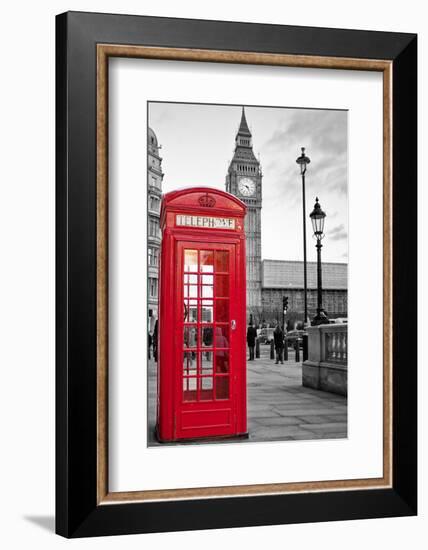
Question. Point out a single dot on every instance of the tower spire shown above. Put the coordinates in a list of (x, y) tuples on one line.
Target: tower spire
[(243, 127)]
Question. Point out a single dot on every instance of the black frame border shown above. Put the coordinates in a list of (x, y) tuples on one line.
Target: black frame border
[(77, 512)]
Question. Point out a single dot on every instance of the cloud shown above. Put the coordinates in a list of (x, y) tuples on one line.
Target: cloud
[(321, 130), (324, 134), (338, 233)]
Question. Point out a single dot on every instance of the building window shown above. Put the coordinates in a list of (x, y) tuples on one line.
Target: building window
[(153, 287), (153, 256), (155, 182), (154, 204), (153, 228)]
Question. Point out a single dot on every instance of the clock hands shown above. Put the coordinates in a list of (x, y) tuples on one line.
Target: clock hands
[(246, 187)]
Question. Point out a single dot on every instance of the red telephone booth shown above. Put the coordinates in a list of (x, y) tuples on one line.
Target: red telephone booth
[(202, 349)]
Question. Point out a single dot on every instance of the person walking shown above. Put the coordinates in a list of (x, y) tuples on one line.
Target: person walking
[(155, 342), (278, 337), (251, 340), (149, 342)]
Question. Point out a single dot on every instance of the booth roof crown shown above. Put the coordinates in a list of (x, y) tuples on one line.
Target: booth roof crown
[(207, 200)]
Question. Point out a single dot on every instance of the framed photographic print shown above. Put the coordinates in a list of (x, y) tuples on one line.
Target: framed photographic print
[(236, 274)]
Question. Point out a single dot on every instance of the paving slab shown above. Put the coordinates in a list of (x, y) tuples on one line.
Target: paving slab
[(314, 419), (329, 427), (268, 421)]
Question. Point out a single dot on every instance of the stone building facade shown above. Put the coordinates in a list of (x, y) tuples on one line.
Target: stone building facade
[(154, 196), (285, 278)]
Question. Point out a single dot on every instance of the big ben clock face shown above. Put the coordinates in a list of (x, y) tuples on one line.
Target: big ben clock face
[(247, 187)]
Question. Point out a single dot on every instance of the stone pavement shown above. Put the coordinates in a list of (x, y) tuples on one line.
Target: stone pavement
[(279, 407)]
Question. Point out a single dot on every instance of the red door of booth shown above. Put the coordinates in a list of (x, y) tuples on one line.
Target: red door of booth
[(206, 325)]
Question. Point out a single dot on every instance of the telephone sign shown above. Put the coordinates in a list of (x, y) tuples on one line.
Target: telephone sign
[(206, 221)]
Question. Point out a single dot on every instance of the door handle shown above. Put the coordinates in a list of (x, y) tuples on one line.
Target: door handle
[(233, 324)]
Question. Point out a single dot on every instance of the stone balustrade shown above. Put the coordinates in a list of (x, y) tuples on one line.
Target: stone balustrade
[(336, 344), (327, 365)]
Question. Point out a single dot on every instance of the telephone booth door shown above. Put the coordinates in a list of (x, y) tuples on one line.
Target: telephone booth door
[(206, 322)]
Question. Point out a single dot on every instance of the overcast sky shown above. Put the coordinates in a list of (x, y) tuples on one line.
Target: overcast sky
[(197, 146)]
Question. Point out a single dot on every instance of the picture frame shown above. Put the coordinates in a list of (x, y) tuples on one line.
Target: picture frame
[(84, 44)]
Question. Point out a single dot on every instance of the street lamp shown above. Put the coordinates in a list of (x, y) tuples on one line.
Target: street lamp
[(303, 162), (317, 218)]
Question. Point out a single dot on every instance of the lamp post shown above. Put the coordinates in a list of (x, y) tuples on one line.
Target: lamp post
[(317, 218), (303, 162)]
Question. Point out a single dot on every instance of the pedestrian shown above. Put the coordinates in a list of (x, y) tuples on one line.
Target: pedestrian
[(207, 339), (193, 339), (278, 337), (155, 342), (251, 340), (150, 342)]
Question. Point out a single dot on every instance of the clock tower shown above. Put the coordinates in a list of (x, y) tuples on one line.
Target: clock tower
[(244, 180)]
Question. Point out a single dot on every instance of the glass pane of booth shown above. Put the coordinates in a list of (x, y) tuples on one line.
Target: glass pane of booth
[(206, 261), (207, 337), (222, 311), (221, 358), (193, 291), (206, 363), (190, 260), (222, 336), (206, 388), (192, 311), (190, 279), (222, 261), (207, 291), (222, 387), (189, 363), (222, 286), (190, 389), (207, 309), (190, 337), (207, 279)]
